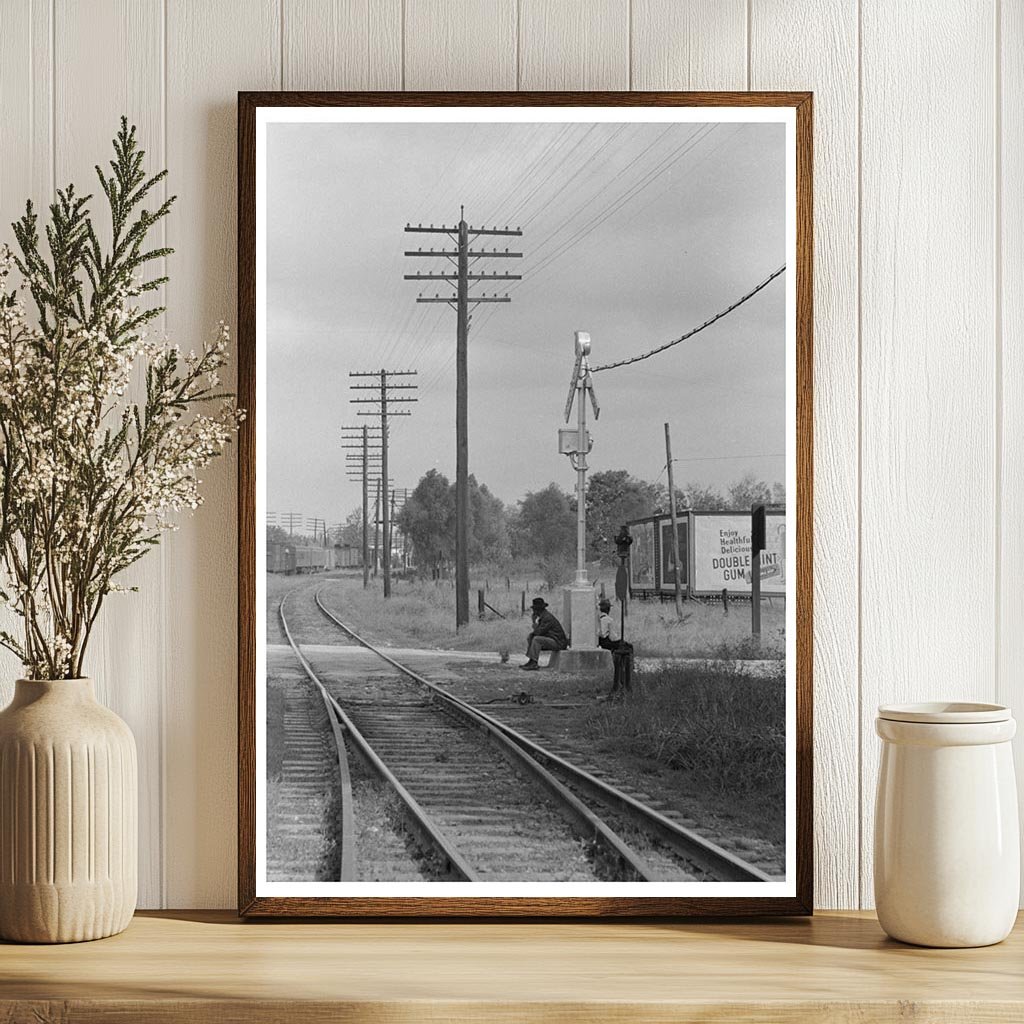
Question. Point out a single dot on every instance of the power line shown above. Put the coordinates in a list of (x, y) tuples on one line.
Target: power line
[(574, 233), (696, 330), (726, 458), (577, 233)]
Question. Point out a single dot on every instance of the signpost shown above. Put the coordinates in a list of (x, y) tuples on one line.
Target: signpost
[(623, 540), (758, 542)]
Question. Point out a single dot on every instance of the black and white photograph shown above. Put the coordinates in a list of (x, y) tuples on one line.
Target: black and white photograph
[(525, 502)]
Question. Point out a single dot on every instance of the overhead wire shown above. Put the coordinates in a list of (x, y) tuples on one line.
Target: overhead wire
[(696, 330), (578, 233)]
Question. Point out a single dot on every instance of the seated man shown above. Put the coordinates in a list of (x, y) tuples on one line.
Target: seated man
[(622, 652), (547, 635), (604, 626)]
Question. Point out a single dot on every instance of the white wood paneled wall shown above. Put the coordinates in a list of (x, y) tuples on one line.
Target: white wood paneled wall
[(919, 349)]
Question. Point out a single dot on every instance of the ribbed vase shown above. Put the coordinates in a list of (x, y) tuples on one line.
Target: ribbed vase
[(68, 815)]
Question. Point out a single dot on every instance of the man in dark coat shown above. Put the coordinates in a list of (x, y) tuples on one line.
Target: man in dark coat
[(547, 635)]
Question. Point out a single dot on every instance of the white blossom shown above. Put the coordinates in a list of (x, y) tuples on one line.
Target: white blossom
[(94, 468)]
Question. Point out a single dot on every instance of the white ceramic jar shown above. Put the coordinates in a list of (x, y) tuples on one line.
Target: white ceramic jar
[(947, 847)]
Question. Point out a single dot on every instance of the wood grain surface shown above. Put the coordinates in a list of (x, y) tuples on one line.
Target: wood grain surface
[(200, 967), (576, 44), (693, 44), (1009, 315), (919, 228), (832, 75), (928, 367), (342, 44), (466, 45), (227, 45)]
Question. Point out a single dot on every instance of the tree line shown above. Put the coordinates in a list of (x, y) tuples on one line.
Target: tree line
[(540, 529)]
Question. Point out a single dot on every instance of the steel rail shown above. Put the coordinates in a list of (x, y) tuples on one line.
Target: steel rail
[(346, 869), (423, 826), (702, 853), (625, 860)]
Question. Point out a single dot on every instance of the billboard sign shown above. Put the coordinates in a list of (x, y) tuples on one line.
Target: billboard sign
[(641, 556), (668, 576), (721, 554)]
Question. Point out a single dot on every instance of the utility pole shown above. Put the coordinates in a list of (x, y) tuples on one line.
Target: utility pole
[(675, 523), (462, 257), (376, 530), (317, 525), (383, 398), (358, 466)]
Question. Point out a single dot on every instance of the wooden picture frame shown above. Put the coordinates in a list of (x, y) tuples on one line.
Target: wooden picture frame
[(254, 903)]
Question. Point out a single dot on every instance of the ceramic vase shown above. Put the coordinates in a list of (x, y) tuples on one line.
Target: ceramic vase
[(947, 847), (68, 813)]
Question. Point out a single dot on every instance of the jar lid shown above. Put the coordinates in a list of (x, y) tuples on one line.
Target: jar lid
[(945, 712)]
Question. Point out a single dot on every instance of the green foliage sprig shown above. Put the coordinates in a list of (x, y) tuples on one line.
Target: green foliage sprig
[(90, 477)]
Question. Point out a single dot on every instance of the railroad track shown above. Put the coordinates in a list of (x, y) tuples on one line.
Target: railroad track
[(480, 807), (639, 841), (303, 789)]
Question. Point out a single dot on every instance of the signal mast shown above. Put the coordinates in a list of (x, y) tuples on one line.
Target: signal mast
[(577, 444)]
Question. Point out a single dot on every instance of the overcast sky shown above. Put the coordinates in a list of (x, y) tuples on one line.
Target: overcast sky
[(633, 232)]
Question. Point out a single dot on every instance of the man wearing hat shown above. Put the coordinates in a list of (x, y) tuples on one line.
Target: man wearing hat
[(604, 626), (547, 635)]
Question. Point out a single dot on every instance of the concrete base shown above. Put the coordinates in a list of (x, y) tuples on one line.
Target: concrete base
[(581, 616), (582, 661)]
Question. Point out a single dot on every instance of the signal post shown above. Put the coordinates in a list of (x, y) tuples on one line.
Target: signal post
[(580, 600)]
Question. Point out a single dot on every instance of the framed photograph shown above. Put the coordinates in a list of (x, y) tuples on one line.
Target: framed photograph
[(525, 504)]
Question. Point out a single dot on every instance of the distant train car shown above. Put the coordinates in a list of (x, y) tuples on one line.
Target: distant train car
[(290, 559), (281, 558), (347, 556), (714, 554), (311, 559)]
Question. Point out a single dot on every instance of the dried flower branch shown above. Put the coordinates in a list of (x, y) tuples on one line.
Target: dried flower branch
[(88, 477)]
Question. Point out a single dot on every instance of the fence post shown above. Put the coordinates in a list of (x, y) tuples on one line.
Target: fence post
[(522, 604), (480, 603)]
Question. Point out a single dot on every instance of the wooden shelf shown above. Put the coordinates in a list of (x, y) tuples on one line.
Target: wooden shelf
[(210, 967)]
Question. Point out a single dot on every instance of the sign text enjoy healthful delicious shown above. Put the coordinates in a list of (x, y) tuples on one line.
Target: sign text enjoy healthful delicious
[(721, 554)]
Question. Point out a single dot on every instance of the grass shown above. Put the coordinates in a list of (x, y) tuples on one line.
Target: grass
[(724, 728), (422, 614)]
